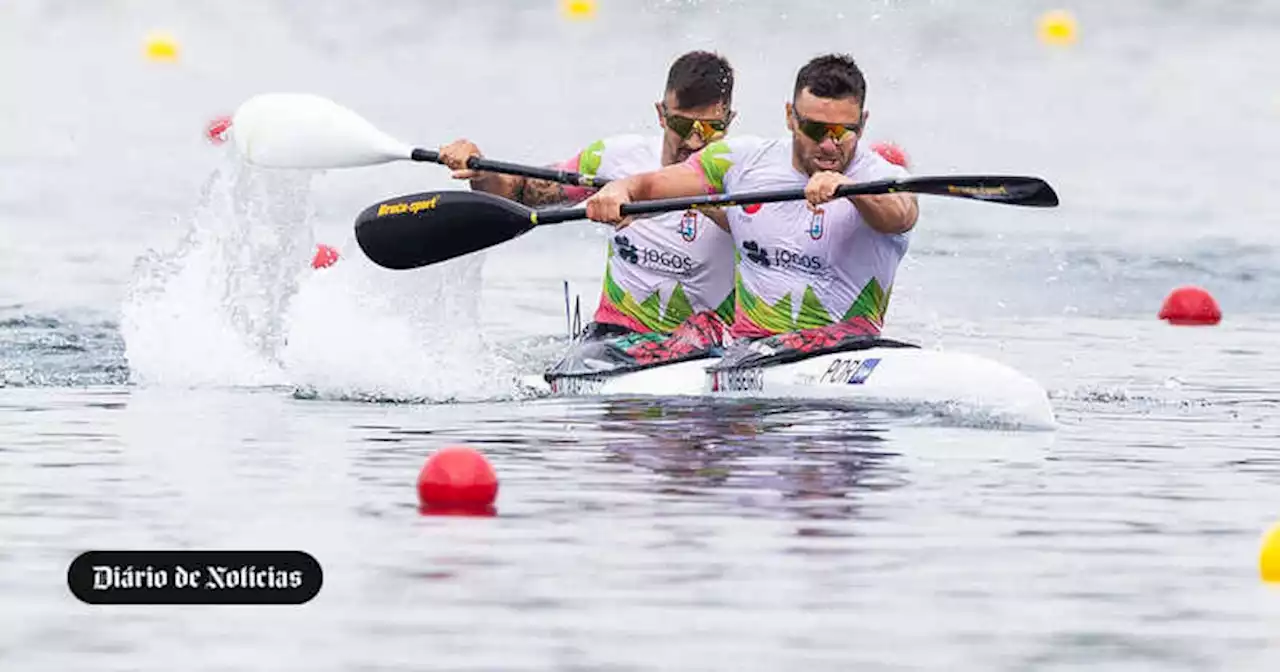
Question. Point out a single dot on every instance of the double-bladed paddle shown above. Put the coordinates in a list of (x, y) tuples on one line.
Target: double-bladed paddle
[(306, 131), (430, 227)]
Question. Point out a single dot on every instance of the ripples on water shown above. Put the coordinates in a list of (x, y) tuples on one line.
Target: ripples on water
[(176, 377), (636, 535), (42, 350)]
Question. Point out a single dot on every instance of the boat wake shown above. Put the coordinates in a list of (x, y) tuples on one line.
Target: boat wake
[(209, 311), (235, 303), (360, 333), (1121, 396)]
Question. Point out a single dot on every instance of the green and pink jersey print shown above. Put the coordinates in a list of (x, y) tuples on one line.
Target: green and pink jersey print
[(798, 269), (663, 269)]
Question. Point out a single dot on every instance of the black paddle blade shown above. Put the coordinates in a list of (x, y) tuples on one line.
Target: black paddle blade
[(422, 229), (1007, 189)]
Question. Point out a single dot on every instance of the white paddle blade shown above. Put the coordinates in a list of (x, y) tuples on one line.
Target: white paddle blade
[(305, 131)]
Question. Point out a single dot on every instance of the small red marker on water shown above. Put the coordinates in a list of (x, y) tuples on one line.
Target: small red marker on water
[(891, 153), (216, 131), (457, 480), (1190, 306), (326, 256)]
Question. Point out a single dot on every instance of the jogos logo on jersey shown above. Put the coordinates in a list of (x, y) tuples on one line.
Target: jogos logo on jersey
[(648, 257), (781, 258)]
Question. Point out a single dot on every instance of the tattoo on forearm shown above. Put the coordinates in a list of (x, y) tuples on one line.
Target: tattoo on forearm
[(541, 192)]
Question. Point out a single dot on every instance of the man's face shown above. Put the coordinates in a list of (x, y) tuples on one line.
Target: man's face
[(688, 129), (825, 131)]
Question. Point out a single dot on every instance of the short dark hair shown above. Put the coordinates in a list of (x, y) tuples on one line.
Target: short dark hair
[(832, 76), (701, 78)]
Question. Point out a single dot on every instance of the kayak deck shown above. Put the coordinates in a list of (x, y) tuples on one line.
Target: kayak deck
[(878, 377)]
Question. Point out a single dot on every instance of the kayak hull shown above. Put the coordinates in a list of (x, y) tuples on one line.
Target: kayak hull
[(873, 378)]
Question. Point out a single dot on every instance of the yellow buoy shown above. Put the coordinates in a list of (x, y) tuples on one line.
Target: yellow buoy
[(1057, 27), (161, 47), (1269, 562), (578, 10)]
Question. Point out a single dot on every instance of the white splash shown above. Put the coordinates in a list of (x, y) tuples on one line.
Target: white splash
[(237, 304), (359, 331), (209, 311)]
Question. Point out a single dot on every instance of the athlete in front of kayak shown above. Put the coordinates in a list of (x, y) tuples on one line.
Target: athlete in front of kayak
[(664, 271), (811, 274)]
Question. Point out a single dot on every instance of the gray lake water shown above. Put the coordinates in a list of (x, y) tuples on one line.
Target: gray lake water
[(173, 375)]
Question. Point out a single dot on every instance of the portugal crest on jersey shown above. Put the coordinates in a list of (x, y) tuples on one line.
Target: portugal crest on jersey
[(689, 226), (815, 224)]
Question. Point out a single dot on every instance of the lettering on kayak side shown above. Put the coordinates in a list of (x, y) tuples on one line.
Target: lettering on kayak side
[(738, 380), (413, 208), (848, 371), (576, 385)]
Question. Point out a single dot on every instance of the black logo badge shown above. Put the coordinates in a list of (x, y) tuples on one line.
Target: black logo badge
[(194, 577)]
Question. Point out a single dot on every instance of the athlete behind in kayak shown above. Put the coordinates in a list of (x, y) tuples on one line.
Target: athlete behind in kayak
[(812, 276), (663, 271)]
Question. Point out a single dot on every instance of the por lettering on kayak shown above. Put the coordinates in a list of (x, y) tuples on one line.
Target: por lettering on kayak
[(849, 371)]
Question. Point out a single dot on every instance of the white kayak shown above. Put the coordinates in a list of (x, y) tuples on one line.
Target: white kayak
[(877, 378)]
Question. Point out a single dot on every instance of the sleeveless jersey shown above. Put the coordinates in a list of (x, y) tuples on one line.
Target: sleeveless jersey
[(798, 269), (661, 269)]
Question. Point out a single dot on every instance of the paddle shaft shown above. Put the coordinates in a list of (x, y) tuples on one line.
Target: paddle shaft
[(551, 175), (556, 215), (993, 189)]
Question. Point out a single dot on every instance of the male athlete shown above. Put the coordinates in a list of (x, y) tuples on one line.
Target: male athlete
[(662, 271), (811, 275)]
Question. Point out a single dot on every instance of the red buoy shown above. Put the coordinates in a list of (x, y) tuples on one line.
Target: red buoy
[(457, 479), (891, 153), (216, 131), (326, 256), (1190, 306)]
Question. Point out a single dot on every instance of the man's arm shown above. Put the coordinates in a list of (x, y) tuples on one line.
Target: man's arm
[(525, 190), (719, 216), (528, 191), (672, 181), (700, 174), (541, 192), (506, 186), (888, 213)]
